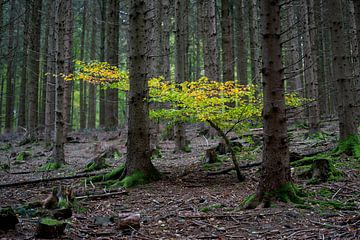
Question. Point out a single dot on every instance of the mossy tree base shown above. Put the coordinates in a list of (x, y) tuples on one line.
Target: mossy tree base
[(285, 193), (119, 178)]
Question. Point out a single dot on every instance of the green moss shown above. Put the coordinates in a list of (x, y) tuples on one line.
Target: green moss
[(211, 207), (209, 166), (22, 156), (51, 222), (94, 167), (349, 146), (338, 205), (156, 154), (248, 200), (137, 178), (187, 148), (50, 166), (289, 193), (325, 192), (113, 175)]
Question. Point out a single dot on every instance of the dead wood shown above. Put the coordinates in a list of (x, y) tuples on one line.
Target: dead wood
[(227, 170), (100, 196), (22, 183)]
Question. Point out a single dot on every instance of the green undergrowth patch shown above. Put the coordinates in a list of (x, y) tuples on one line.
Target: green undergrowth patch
[(113, 175), (51, 222), (211, 207), (349, 146), (137, 178), (50, 166), (92, 166)]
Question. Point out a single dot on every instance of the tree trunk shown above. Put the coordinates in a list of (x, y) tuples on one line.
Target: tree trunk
[(275, 172), (241, 61), (226, 41), (342, 72), (311, 67), (82, 84), (181, 41), (138, 146), (68, 85), (102, 106), (92, 88), (254, 41), (357, 23), (112, 51), (10, 71), (166, 28), (210, 40), (50, 81), (34, 67), (60, 32), (24, 74)]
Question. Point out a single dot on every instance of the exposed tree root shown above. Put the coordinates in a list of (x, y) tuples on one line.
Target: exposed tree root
[(349, 146)]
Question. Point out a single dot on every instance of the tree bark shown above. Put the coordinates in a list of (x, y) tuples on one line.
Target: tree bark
[(226, 41), (241, 61), (254, 41), (82, 58), (112, 51), (10, 71), (275, 171), (34, 67), (102, 106), (342, 72), (138, 146), (181, 42)]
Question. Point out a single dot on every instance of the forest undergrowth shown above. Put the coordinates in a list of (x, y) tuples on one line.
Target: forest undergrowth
[(188, 202)]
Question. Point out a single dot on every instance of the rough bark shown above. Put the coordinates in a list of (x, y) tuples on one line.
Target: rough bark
[(241, 61), (166, 28), (68, 85), (23, 82), (138, 146), (226, 41), (60, 31), (9, 114), (112, 51), (34, 66), (254, 41), (50, 81), (342, 72), (91, 121), (275, 171), (102, 106), (181, 41), (311, 67), (82, 53), (357, 23)]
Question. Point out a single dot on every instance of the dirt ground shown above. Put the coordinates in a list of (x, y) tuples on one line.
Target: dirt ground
[(187, 203)]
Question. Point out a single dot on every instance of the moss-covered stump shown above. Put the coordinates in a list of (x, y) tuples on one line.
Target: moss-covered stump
[(318, 168), (349, 146), (50, 228), (8, 219), (286, 193)]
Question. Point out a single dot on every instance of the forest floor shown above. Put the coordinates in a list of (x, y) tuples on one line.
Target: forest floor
[(187, 203)]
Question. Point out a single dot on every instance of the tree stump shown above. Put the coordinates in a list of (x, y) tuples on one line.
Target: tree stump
[(8, 219), (50, 228), (321, 169), (211, 156)]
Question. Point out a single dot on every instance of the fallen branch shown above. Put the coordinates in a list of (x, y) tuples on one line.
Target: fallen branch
[(227, 170), (22, 183), (105, 195)]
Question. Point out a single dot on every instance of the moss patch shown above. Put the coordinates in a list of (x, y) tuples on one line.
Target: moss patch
[(113, 175), (137, 178), (349, 146), (51, 222), (50, 166), (211, 207), (90, 167)]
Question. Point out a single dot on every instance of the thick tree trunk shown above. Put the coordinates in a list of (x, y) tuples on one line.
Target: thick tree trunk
[(275, 172), (342, 72), (10, 71), (254, 41), (112, 51), (226, 41), (166, 28), (34, 67), (138, 146)]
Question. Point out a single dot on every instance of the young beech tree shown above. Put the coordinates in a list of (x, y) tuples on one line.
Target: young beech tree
[(275, 180)]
